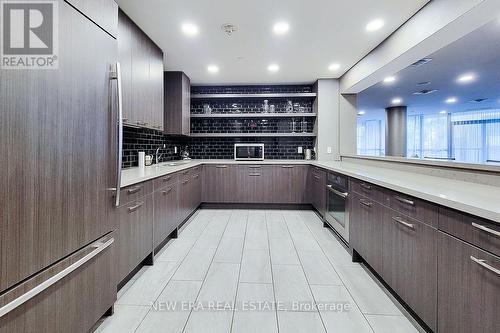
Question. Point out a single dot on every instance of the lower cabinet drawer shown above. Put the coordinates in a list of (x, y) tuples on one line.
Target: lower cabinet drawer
[(480, 232), (421, 210), (69, 296), (372, 192), (468, 288)]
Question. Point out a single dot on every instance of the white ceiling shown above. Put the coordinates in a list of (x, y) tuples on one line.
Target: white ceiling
[(321, 32), (476, 53)]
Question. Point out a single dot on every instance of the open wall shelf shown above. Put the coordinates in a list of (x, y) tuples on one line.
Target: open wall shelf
[(253, 115), (253, 135), (271, 95)]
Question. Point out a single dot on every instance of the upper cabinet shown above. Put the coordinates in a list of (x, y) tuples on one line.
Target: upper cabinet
[(177, 103), (142, 76)]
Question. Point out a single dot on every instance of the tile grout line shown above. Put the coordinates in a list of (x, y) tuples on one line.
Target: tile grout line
[(302, 266), (272, 275), (211, 262), (340, 277), (239, 273), (170, 279)]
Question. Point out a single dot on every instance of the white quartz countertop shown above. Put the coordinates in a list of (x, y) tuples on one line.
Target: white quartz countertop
[(476, 199)]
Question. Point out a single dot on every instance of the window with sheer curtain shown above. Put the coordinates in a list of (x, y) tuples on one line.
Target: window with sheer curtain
[(371, 137), (471, 137)]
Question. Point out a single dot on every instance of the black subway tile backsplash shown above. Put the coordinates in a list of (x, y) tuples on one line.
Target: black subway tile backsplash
[(147, 140), (252, 89)]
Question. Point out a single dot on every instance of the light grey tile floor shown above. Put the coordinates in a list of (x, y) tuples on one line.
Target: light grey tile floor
[(259, 271)]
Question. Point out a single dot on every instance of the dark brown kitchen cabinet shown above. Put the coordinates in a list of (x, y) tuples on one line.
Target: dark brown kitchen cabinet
[(156, 81), (142, 76), (196, 188), (410, 263), (477, 231), (366, 224), (56, 147), (316, 189), (166, 212), (135, 233), (102, 12), (177, 103), (255, 184), (421, 210), (185, 202), (72, 304), (220, 184), (469, 288), (289, 183)]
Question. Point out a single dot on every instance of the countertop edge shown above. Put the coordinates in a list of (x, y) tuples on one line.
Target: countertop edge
[(460, 206)]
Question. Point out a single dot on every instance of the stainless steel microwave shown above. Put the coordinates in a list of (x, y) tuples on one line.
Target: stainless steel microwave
[(249, 151)]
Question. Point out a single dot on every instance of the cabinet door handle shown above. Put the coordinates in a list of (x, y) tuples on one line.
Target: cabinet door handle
[(196, 176), (406, 224), (365, 203), (166, 179), (254, 166), (317, 177), (167, 191), (254, 174), (221, 166), (185, 172), (488, 230), (287, 166), (403, 200), (134, 190), (185, 181), (136, 207), (142, 123), (366, 186), (483, 263)]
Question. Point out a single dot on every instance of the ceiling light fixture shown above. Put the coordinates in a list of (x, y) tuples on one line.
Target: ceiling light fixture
[(281, 28), (375, 25), (273, 68), (396, 101), (451, 100), (360, 113), (334, 67), (189, 29), (389, 79), (212, 69), (466, 78)]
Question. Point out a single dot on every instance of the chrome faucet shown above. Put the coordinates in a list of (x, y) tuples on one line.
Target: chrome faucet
[(157, 156)]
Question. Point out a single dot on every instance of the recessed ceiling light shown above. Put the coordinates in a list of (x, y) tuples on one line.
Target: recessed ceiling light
[(451, 100), (443, 111), (360, 113), (273, 68), (466, 78), (396, 101), (389, 79), (334, 67), (281, 28), (375, 25), (189, 29), (212, 68)]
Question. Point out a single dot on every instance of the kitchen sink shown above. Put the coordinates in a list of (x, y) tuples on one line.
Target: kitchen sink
[(177, 163)]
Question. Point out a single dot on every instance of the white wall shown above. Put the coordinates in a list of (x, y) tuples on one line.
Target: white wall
[(327, 123), (438, 24)]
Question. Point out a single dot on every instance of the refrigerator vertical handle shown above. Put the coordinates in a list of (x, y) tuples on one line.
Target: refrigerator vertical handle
[(117, 75)]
